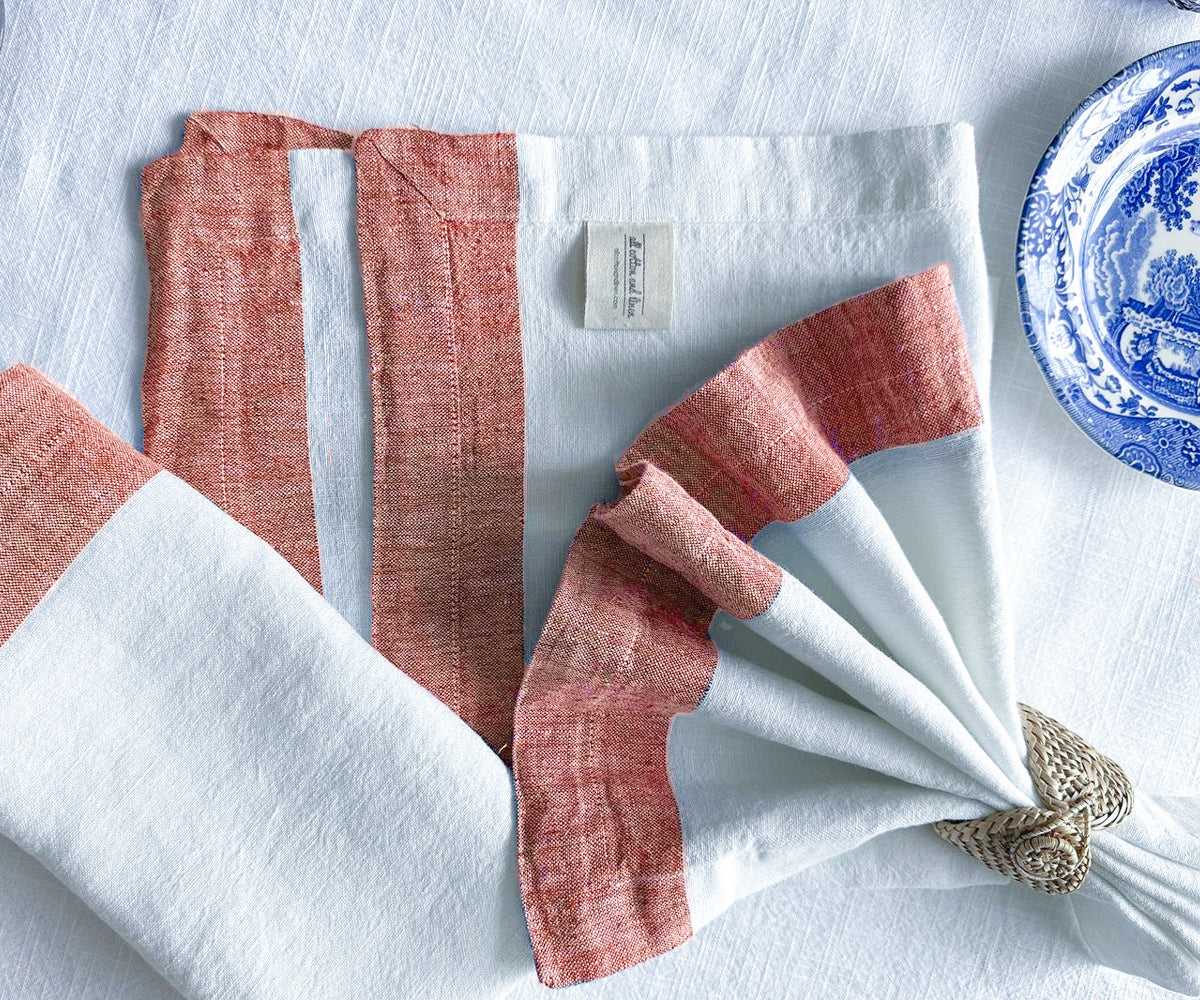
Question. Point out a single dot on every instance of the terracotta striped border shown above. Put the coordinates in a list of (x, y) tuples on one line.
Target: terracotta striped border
[(437, 228), (223, 395), (224, 389), (625, 647), (62, 476)]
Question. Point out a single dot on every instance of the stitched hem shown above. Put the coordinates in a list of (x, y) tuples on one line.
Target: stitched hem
[(224, 398), (62, 476), (437, 224), (223, 394)]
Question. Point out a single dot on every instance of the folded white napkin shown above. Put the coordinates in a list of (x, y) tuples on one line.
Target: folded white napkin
[(857, 685), (245, 791), (209, 756)]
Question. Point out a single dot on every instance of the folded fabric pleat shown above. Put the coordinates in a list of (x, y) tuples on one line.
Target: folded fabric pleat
[(719, 700), (782, 650), (62, 476), (658, 518)]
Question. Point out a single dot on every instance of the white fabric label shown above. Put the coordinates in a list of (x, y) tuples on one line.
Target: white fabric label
[(630, 275)]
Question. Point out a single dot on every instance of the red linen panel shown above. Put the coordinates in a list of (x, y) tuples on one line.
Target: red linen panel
[(223, 396), (224, 389), (625, 647), (437, 228), (660, 519), (63, 474)]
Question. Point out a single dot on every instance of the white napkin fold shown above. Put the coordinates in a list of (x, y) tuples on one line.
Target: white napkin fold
[(233, 775), (202, 750), (858, 685)]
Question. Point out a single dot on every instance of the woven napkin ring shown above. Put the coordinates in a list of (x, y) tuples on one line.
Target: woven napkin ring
[(1048, 849)]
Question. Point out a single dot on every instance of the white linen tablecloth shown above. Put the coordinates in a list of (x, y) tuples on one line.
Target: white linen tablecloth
[(1103, 562)]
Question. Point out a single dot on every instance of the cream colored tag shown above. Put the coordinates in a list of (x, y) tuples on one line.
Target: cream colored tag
[(630, 275)]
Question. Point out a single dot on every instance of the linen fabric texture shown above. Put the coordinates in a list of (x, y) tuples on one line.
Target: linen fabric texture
[(1101, 559), (890, 646), (213, 759), (224, 391), (857, 687)]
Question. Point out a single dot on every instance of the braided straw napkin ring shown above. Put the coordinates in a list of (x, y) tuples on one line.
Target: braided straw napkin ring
[(1048, 849)]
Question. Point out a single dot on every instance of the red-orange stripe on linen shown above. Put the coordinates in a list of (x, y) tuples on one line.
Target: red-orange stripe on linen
[(437, 227), (223, 394), (224, 390), (63, 474), (625, 647), (661, 520)]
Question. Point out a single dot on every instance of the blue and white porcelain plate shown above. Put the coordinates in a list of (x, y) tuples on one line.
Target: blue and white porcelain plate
[(1108, 265)]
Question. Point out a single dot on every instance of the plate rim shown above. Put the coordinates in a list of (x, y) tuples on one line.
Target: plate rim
[(1068, 406)]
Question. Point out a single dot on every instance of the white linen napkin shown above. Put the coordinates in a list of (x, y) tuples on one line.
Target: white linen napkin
[(867, 696), (857, 686), (213, 760)]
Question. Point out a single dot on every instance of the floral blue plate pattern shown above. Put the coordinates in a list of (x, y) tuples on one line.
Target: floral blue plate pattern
[(1108, 265)]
